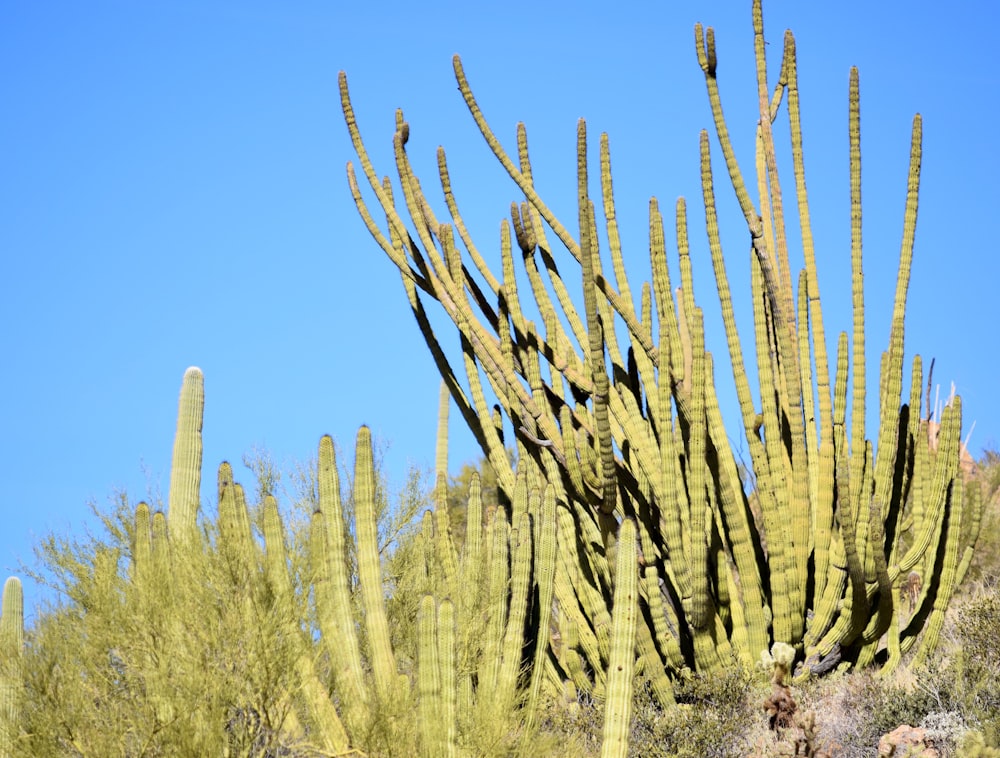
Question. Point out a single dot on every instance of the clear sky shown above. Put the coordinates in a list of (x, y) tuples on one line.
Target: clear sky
[(173, 193)]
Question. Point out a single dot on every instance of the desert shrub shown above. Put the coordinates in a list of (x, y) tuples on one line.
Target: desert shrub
[(714, 717), (985, 563), (975, 661), (867, 706), (977, 746), (197, 653), (197, 665)]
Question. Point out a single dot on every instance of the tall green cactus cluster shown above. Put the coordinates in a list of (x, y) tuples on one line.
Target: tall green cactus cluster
[(614, 411), (484, 666)]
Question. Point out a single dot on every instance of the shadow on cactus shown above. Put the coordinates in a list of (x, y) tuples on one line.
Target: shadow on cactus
[(629, 429)]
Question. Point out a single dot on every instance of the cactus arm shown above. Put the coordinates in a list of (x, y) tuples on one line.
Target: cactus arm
[(705, 48), (472, 565), (886, 466), (323, 717), (669, 350), (487, 432), (595, 332), (770, 468), (949, 546), (840, 567), (701, 606), (972, 517), (463, 232), (941, 472), (523, 184), (823, 503)]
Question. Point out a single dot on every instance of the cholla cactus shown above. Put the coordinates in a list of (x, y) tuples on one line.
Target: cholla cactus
[(778, 662), (780, 706)]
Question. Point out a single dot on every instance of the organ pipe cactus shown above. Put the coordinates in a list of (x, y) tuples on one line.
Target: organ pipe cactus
[(628, 426), (618, 711), (486, 608)]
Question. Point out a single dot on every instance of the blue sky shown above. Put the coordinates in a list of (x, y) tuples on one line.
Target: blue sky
[(173, 193)]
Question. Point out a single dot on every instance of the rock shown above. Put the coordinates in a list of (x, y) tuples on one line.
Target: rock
[(906, 742)]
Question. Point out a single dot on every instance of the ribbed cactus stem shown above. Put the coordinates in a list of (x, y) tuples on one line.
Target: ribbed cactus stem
[(369, 565), (545, 571), (498, 588), (332, 586), (142, 545), (236, 534), (618, 704), (11, 655), (185, 469), (429, 679), (520, 581), (449, 691)]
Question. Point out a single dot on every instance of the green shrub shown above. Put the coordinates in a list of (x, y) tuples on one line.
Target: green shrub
[(976, 661), (714, 716)]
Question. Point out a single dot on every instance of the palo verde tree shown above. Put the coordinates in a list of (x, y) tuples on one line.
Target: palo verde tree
[(336, 629)]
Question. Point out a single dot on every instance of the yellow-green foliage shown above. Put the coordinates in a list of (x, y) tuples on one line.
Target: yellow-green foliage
[(976, 659), (243, 636), (182, 656)]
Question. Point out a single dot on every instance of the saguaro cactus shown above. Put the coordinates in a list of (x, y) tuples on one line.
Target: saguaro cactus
[(632, 429), (185, 470), (11, 653)]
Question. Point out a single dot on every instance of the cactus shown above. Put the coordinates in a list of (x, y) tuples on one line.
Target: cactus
[(332, 589), (780, 706), (369, 567), (629, 427), (185, 470), (618, 706), (11, 654)]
